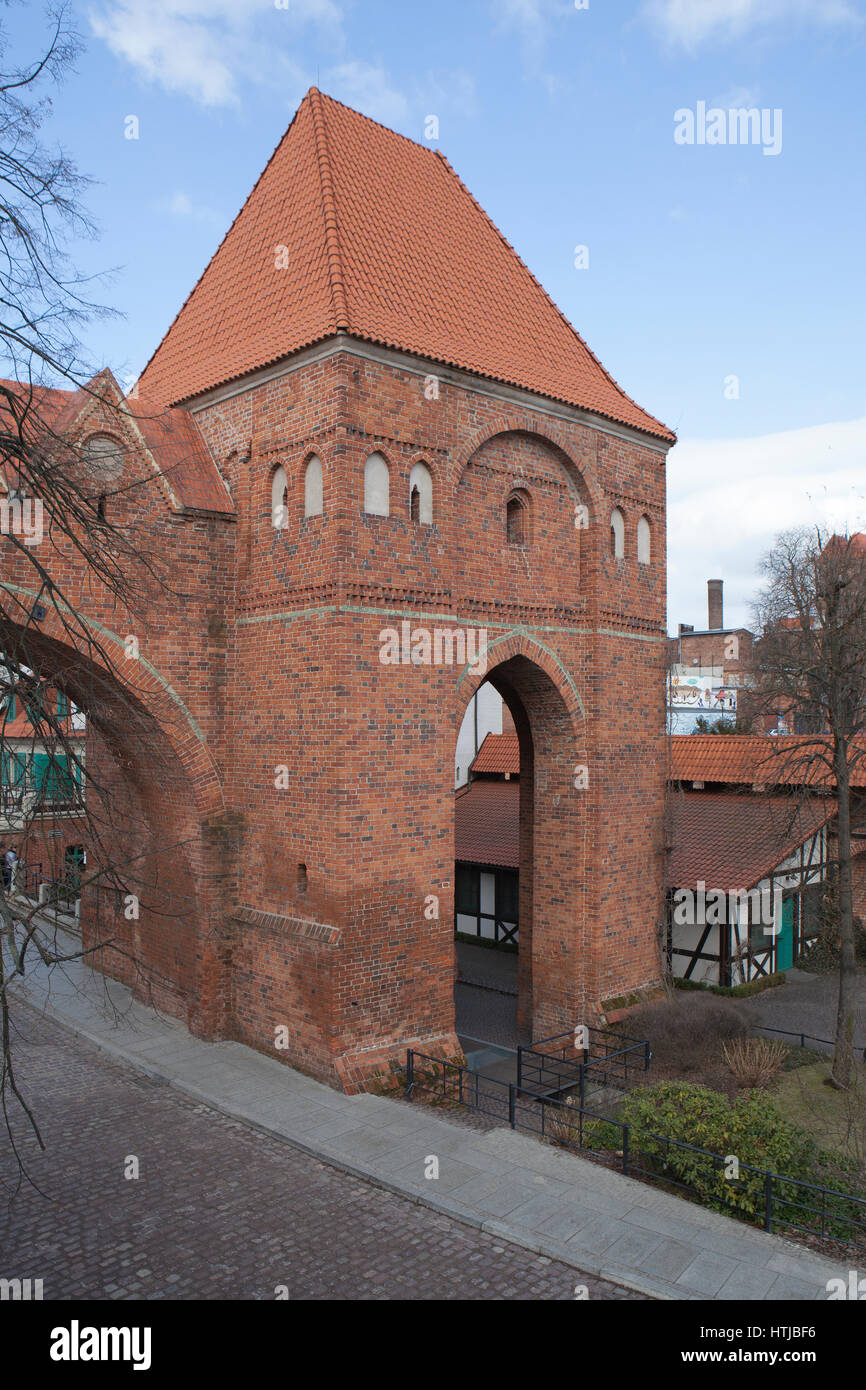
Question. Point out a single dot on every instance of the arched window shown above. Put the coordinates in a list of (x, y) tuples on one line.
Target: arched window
[(100, 507), (104, 455), (313, 487), (643, 541), (279, 500), (516, 520), (617, 534), (376, 486), (421, 495)]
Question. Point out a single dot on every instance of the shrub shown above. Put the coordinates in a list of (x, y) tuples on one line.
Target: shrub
[(754, 1061), (671, 1121), (562, 1125), (684, 1032)]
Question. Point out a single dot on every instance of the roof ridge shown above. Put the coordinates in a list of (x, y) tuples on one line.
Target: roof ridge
[(552, 302), (369, 120), (329, 208)]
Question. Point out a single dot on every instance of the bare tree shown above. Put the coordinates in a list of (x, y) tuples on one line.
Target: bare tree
[(50, 482), (811, 666)]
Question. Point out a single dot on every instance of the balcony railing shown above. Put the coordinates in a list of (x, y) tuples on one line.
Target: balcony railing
[(27, 799)]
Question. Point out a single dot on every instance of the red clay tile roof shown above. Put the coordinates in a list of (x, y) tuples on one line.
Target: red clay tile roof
[(183, 457), (498, 753), (747, 759), (487, 824), (384, 242), (172, 437), (729, 840)]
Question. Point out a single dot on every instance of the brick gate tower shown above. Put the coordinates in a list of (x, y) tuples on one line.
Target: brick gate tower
[(435, 483)]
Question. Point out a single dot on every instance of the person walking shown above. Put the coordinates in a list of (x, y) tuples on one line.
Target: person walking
[(10, 864)]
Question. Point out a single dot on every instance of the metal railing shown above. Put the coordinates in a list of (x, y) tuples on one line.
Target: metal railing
[(554, 1065), (26, 798), (757, 1195), (794, 1033), (26, 880)]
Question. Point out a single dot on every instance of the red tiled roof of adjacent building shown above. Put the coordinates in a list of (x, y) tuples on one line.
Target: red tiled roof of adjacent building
[(753, 759), (353, 228), (727, 840), (498, 753), (171, 436), (183, 457), (487, 824)]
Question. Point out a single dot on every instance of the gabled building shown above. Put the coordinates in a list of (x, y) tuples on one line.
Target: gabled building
[(751, 815), (395, 451)]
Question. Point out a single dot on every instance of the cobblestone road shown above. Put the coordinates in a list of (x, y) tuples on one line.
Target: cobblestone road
[(219, 1210)]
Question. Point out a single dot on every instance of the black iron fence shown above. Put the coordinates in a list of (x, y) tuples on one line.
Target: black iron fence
[(742, 1190), (27, 879), (587, 1056), (63, 892), (804, 1037)]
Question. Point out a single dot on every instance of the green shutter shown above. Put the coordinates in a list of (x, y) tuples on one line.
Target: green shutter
[(52, 777), (14, 767)]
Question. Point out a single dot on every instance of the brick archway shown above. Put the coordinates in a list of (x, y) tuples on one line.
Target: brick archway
[(517, 643), (580, 475), (142, 681), (554, 960), (155, 821)]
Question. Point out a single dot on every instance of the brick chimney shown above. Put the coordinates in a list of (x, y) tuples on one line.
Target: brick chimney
[(715, 606)]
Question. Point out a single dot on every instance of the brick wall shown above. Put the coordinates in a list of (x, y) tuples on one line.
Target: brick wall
[(325, 906), (577, 640)]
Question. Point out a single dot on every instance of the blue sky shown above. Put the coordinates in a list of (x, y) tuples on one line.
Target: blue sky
[(706, 262)]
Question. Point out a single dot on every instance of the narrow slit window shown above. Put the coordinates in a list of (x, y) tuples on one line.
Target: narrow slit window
[(515, 521), (644, 544), (313, 487), (421, 495), (377, 486), (617, 534), (279, 500)]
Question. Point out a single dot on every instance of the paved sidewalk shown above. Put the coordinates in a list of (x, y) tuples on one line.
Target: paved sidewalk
[(504, 1183)]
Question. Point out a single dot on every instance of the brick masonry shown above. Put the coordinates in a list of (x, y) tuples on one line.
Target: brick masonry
[(308, 906)]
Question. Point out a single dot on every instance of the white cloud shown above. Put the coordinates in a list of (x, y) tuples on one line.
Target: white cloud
[(203, 47), (689, 23), (447, 93), (182, 206), (729, 499), (208, 50), (366, 87), (531, 21)]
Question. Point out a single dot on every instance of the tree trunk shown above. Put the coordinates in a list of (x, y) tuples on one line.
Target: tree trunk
[(843, 1053)]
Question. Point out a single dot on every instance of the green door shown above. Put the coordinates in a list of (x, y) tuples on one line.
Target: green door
[(785, 939)]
